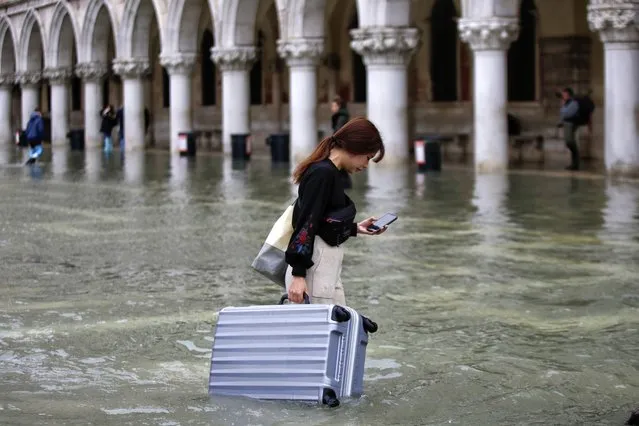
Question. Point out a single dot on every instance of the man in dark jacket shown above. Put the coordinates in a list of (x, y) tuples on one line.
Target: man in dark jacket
[(338, 119), (340, 113), (34, 134), (569, 113)]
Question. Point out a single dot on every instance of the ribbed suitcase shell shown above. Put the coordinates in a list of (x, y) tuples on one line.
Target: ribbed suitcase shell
[(290, 352)]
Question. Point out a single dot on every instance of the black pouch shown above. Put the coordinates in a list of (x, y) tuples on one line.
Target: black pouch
[(336, 226)]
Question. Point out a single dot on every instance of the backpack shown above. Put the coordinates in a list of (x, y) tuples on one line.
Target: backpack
[(586, 108)]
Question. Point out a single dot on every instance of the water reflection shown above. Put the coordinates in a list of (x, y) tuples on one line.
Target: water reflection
[(59, 162), (179, 181), (134, 167), (620, 212), (234, 178), (491, 291), (387, 188), (93, 164), (491, 218), (6, 154)]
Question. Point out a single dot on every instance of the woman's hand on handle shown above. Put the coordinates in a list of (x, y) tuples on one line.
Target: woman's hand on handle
[(362, 227), (297, 289)]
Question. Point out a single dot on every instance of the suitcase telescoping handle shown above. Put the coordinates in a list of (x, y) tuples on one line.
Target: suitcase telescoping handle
[(285, 297), (340, 315)]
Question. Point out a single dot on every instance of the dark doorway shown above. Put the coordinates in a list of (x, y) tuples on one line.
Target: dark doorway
[(208, 77), (48, 88), (166, 88), (256, 73), (106, 90), (359, 69), (443, 51), (522, 55), (76, 93)]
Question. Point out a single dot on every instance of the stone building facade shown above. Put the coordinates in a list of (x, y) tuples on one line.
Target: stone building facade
[(220, 67)]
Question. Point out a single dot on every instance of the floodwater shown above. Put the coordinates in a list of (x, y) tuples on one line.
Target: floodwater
[(501, 300)]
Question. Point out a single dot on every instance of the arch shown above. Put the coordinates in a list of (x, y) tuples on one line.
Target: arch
[(135, 29), (234, 24), (7, 47), (31, 49), (302, 18), (522, 56), (63, 37), (180, 36), (99, 23), (383, 13), (443, 51)]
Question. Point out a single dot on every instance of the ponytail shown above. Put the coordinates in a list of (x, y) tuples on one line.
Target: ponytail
[(321, 152)]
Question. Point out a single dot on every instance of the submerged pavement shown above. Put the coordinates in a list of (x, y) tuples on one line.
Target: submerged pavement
[(501, 299)]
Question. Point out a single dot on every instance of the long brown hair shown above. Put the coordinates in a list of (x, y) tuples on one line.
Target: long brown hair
[(358, 136)]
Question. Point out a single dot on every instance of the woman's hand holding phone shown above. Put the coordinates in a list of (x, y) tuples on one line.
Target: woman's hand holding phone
[(362, 227)]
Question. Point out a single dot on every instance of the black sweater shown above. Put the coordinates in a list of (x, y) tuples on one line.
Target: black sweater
[(321, 191)]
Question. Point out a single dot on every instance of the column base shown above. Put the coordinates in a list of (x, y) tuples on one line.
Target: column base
[(134, 147), (59, 143), (624, 170), (491, 166), (93, 144), (392, 161)]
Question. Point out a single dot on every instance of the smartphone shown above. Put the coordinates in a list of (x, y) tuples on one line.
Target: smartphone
[(383, 221)]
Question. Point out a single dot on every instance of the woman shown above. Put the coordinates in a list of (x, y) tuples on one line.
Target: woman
[(323, 216)]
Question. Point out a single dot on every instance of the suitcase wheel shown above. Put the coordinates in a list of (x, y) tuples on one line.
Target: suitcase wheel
[(340, 314), (329, 398), (369, 325)]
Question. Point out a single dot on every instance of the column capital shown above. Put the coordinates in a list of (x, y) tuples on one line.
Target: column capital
[(91, 71), (132, 68), (59, 75), (28, 78), (301, 51), (7, 79), (488, 33), (617, 21), (236, 58), (385, 45), (181, 63)]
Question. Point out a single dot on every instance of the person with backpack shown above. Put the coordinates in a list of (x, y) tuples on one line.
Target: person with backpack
[(34, 133), (570, 120)]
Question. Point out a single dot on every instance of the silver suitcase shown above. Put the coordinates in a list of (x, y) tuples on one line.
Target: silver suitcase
[(302, 352)]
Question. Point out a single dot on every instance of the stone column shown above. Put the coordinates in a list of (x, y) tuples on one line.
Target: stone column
[(6, 87), (59, 81), (302, 57), (489, 38), (235, 64), (180, 69), (92, 74), (132, 71), (386, 53), (29, 82), (618, 25)]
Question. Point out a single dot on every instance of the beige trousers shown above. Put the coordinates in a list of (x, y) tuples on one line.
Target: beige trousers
[(323, 279)]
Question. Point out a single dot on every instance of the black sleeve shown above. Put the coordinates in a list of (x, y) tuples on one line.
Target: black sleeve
[(312, 207)]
